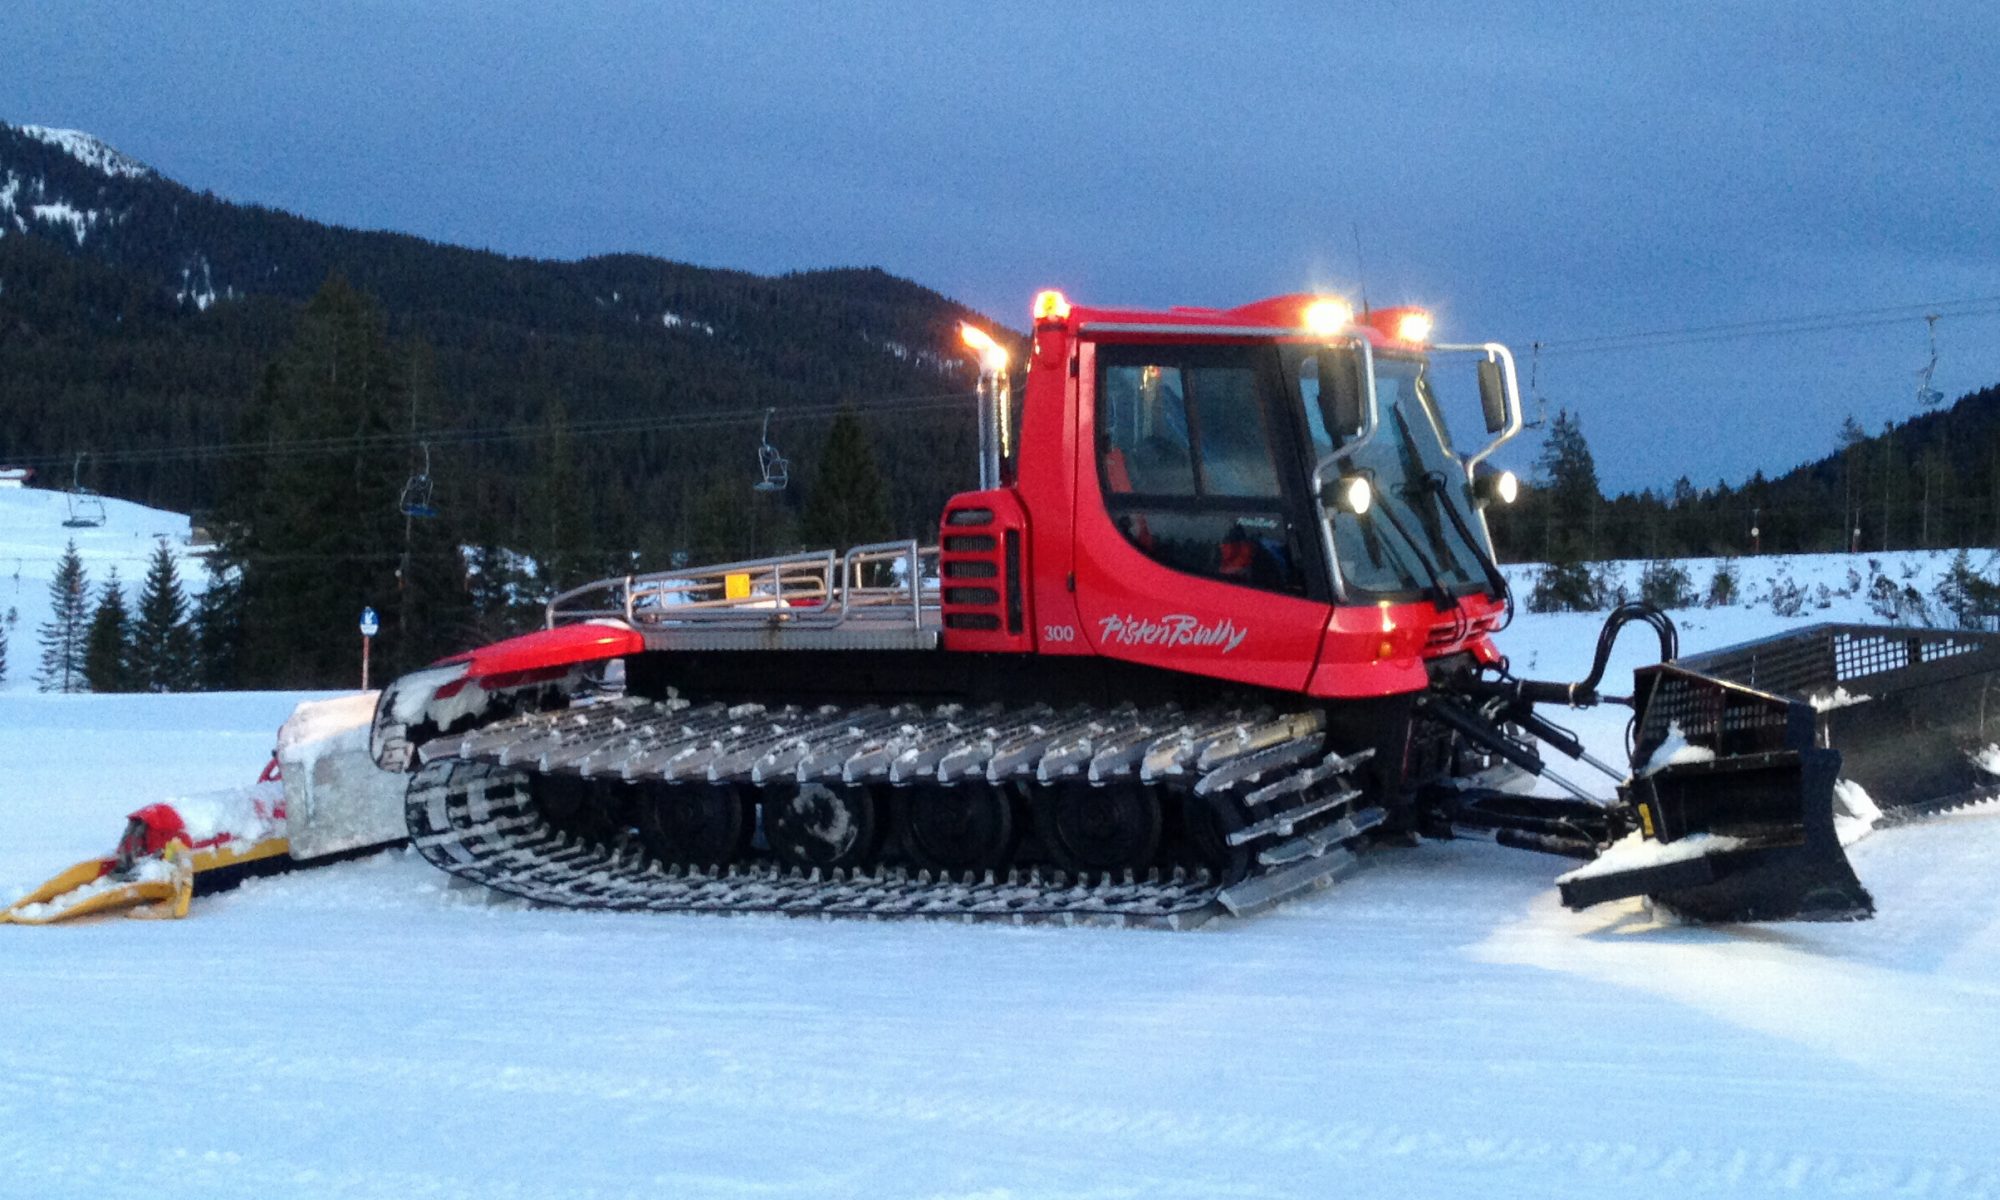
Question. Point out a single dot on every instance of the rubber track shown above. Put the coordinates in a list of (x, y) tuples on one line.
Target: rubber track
[(470, 812)]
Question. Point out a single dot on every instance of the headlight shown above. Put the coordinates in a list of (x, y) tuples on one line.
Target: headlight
[(1355, 494), (1503, 486)]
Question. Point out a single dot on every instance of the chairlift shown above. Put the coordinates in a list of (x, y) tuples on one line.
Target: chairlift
[(1927, 395), (85, 508), (775, 470), (416, 500)]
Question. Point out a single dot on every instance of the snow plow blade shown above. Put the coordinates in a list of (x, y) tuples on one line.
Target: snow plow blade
[(1747, 817)]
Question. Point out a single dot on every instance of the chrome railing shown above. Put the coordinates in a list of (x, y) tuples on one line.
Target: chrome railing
[(816, 589)]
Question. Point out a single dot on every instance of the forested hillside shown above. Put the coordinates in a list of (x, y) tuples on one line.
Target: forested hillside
[(137, 318)]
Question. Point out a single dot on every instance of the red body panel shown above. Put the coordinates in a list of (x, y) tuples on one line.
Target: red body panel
[(1090, 591), (544, 654)]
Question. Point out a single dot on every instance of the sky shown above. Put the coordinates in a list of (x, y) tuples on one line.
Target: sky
[(1532, 175)]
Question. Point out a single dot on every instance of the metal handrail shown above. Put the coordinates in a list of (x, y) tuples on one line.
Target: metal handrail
[(817, 589)]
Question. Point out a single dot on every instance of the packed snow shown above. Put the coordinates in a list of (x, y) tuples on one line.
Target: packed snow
[(1435, 1024)]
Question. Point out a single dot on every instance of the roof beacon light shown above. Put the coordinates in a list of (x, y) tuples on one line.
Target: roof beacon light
[(1329, 315), (992, 355), (1414, 326), (1051, 305)]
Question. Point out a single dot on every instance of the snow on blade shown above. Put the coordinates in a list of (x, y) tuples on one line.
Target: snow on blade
[(321, 727), (1987, 759), (1840, 698), (1855, 813), (1635, 852), (146, 870), (1674, 752)]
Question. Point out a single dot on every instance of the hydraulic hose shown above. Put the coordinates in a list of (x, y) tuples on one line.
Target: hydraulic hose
[(1583, 693)]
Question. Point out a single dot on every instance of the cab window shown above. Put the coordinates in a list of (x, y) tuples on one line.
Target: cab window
[(1187, 458)]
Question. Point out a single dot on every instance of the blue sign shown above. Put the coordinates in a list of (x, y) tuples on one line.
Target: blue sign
[(370, 623)]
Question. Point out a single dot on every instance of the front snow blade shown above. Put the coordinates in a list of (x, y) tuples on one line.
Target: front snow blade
[(1734, 804)]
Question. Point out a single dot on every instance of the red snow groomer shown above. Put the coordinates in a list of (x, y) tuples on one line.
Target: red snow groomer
[(1219, 616)]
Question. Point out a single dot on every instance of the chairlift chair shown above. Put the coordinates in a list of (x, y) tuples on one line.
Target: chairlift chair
[(416, 500), (84, 508), (771, 465)]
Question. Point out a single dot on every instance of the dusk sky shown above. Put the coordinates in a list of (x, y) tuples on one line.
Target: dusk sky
[(1531, 176)]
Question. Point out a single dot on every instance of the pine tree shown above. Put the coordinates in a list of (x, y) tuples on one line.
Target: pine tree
[(108, 646), (3, 648), (1566, 477), (218, 627), (848, 504), (318, 537), (162, 641), (64, 634), (1567, 474)]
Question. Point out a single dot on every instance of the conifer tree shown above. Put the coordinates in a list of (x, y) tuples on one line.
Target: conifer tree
[(3, 646), (1566, 477), (320, 536), (848, 504), (64, 634), (218, 627), (162, 641), (108, 646)]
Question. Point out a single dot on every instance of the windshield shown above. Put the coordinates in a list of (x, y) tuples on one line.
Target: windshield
[(1411, 445)]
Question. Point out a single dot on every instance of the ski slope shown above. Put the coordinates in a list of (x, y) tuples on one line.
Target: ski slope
[(1433, 1025), (32, 541)]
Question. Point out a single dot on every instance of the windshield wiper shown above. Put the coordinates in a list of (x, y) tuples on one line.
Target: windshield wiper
[(1435, 484), (1440, 595)]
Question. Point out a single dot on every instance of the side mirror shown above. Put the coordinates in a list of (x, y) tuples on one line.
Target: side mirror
[(1342, 390), (1493, 395)]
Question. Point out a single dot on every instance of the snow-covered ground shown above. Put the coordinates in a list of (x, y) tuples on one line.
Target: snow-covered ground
[(1434, 1025), (32, 539)]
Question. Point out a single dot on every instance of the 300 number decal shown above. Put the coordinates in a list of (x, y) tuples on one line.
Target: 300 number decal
[(1058, 633)]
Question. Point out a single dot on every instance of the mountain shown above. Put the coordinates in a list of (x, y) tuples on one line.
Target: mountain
[(137, 314)]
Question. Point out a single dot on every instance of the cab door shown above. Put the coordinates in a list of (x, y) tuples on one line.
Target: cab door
[(1194, 545)]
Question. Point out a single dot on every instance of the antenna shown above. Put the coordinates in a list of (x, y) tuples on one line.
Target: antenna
[(1360, 268)]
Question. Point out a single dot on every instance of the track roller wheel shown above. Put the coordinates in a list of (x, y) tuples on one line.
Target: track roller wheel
[(701, 824), (1101, 828), (967, 826), (823, 825), (1208, 821), (575, 805)]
